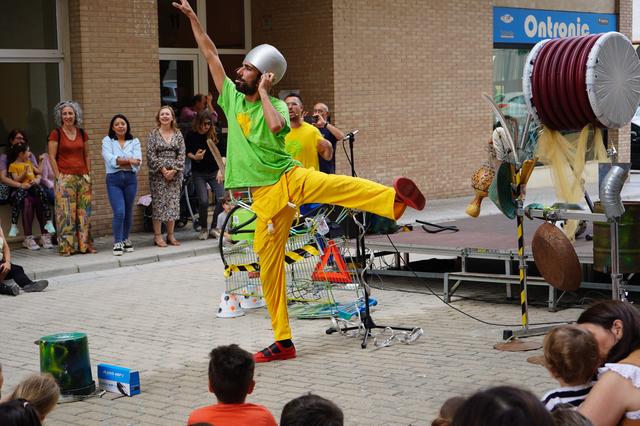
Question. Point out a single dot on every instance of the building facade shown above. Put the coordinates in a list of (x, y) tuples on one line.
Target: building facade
[(408, 75)]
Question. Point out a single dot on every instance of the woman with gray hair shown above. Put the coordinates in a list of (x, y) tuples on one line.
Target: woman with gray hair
[(69, 157)]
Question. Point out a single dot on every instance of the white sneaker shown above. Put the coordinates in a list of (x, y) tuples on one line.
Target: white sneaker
[(45, 241), (203, 235), (128, 246), (118, 249), (30, 243), (13, 232)]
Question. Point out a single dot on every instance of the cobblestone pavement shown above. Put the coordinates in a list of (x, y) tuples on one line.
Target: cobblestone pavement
[(160, 319)]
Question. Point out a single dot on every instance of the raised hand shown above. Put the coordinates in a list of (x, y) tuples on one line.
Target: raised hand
[(184, 7), (266, 82)]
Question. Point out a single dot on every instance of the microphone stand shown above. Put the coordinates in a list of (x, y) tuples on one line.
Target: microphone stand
[(365, 317)]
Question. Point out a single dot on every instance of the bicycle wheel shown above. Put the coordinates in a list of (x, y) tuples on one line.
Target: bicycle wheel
[(238, 223)]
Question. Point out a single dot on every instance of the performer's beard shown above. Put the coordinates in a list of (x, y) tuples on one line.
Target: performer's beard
[(247, 88)]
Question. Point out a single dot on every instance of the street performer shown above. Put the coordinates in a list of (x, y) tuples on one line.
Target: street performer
[(256, 158)]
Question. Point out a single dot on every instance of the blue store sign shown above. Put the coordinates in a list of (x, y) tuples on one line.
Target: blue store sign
[(529, 26)]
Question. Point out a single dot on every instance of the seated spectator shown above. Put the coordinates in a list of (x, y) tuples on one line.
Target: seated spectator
[(18, 412), (24, 171), (9, 271), (571, 356), (31, 205), (502, 406), (615, 398), (231, 380), (311, 410), (567, 415), (447, 411), (42, 392), (226, 208)]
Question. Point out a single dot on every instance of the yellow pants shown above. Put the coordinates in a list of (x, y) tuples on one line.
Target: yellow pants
[(301, 186)]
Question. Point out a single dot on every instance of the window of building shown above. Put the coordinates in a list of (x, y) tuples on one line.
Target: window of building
[(31, 67), (174, 30)]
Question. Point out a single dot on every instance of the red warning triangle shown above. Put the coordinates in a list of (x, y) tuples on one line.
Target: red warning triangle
[(342, 276)]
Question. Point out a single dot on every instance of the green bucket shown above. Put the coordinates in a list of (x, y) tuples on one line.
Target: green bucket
[(66, 357), (246, 233)]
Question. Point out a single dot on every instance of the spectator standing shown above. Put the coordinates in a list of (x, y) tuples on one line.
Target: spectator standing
[(165, 156), (322, 120), (69, 157), (199, 103), (615, 398), (571, 356), (304, 142), (10, 271), (231, 380), (31, 206), (201, 145), (122, 158)]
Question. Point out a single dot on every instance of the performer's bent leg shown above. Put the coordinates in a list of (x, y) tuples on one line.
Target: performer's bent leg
[(310, 186), (272, 269)]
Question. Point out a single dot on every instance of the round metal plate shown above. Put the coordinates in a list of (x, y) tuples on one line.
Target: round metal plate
[(517, 345), (556, 258)]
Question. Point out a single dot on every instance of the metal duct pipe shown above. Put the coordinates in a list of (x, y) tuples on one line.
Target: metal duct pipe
[(610, 192)]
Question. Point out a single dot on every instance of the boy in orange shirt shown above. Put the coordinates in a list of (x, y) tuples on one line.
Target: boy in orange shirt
[(231, 380)]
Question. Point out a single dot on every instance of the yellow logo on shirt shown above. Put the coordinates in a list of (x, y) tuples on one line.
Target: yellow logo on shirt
[(245, 122)]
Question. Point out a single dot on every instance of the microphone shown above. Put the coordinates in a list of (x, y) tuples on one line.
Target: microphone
[(350, 136)]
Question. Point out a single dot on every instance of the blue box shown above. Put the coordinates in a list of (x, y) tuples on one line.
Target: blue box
[(114, 378)]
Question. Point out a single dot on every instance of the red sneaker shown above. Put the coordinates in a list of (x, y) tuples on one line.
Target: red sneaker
[(408, 192), (275, 352)]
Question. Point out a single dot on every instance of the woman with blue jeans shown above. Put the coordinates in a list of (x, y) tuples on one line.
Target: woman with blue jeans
[(122, 157)]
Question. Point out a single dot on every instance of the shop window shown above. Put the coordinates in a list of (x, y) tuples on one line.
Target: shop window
[(174, 29), (28, 24), (508, 65), (33, 89)]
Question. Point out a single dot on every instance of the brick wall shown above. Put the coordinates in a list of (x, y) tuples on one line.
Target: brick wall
[(303, 32), (115, 69)]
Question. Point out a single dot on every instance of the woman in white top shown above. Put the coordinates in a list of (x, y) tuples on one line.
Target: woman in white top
[(122, 157)]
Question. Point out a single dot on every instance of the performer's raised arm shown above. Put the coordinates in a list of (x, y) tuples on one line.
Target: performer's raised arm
[(205, 43)]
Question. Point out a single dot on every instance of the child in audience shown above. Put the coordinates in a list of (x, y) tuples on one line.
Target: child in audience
[(447, 411), (18, 412), (567, 415), (231, 380), (502, 406), (571, 356), (311, 410), (24, 171), (226, 208), (41, 390)]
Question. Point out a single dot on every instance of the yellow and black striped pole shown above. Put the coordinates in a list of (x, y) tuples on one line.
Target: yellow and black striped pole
[(521, 260)]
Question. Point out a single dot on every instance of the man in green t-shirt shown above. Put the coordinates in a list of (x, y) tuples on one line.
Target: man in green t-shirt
[(256, 158)]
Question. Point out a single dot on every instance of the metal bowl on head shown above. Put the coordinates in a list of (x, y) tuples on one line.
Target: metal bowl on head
[(556, 258)]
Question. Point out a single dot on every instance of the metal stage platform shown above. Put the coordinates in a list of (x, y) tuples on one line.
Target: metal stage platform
[(488, 237)]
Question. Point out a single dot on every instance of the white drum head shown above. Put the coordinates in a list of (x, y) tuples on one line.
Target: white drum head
[(527, 86), (613, 80)]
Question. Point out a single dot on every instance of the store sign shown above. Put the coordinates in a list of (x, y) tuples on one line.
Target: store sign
[(529, 26)]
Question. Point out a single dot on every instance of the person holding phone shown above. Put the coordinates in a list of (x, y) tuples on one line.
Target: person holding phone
[(201, 144)]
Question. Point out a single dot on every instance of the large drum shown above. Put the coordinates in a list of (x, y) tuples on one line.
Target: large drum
[(66, 357), (628, 237), (571, 82)]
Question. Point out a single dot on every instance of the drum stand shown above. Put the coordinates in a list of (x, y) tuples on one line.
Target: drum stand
[(367, 322)]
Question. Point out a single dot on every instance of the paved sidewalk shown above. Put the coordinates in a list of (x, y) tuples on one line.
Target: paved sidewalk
[(44, 264)]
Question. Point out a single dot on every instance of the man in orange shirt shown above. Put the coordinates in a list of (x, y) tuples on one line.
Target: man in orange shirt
[(231, 380)]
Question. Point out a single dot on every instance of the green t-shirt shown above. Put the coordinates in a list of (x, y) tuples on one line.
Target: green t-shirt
[(255, 155)]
